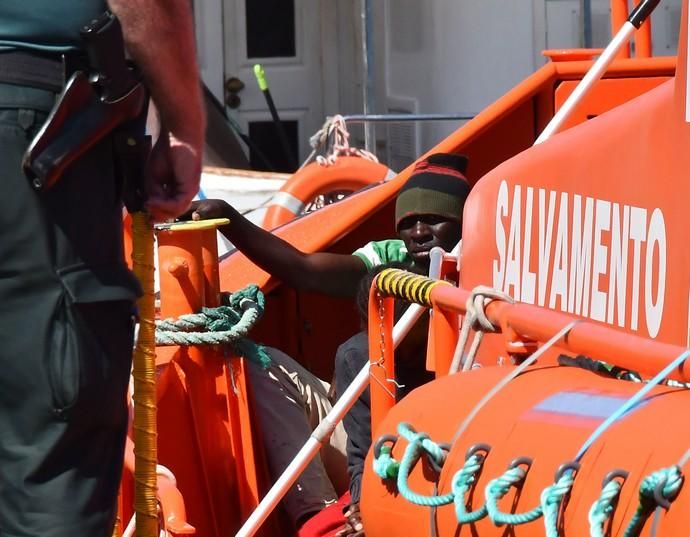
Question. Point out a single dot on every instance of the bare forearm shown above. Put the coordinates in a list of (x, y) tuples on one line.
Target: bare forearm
[(271, 253), (331, 274), (159, 35)]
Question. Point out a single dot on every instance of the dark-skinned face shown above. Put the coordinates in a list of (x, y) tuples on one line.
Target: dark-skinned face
[(422, 232)]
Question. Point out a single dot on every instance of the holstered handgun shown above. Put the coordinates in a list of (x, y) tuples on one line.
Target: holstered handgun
[(91, 106)]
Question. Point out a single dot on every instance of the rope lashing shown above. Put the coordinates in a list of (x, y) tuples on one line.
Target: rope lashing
[(475, 319), (463, 481), (659, 488), (604, 506), (550, 501), (407, 286), (552, 498), (657, 512), (600, 367), (144, 373), (385, 466), (419, 443), (499, 487), (334, 130), (227, 324)]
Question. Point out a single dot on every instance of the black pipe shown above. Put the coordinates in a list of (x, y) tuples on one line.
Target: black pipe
[(282, 136), (641, 12)]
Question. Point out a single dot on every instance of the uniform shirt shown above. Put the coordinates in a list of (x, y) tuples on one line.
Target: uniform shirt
[(45, 25), (378, 253)]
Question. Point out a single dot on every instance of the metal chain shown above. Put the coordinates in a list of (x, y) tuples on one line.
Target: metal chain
[(382, 347), (382, 337)]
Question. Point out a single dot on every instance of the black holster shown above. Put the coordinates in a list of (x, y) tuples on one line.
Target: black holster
[(110, 98)]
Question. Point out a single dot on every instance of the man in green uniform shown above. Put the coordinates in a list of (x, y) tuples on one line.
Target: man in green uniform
[(67, 295)]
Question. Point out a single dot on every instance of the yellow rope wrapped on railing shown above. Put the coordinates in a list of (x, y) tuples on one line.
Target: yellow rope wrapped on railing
[(117, 527), (144, 372), (407, 286)]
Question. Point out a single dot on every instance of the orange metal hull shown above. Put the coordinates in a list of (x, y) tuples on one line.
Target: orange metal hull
[(206, 435), (533, 416)]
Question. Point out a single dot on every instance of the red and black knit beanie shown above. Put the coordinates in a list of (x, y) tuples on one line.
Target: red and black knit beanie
[(437, 186)]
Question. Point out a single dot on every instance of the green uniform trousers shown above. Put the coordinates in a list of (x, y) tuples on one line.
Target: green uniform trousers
[(66, 304)]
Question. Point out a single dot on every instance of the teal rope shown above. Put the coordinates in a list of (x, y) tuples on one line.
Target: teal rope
[(225, 325), (497, 489), (385, 466), (603, 507), (463, 481), (553, 496), (419, 443), (432, 448), (551, 500), (671, 480)]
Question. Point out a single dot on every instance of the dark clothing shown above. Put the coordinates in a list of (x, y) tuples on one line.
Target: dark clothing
[(66, 332), (350, 358), (45, 24)]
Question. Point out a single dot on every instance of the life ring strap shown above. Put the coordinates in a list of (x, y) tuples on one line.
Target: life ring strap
[(288, 201)]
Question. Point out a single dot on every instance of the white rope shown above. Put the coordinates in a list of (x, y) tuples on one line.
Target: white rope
[(335, 130), (476, 319)]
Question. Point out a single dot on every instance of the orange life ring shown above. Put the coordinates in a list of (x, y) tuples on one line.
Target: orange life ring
[(347, 173)]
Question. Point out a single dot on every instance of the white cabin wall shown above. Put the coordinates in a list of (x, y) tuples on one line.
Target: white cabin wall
[(458, 56), (208, 18), (451, 57), (433, 56)]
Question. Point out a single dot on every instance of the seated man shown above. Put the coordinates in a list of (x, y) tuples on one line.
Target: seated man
[(351, 357), (428, 214)]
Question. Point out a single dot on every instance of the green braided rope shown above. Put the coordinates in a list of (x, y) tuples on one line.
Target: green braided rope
[(497, 489), (252, 292), (551, 500), (419, 443), (224, 325), (463, 481), (603, 507), (385, 466), (671, 480), (432, 448)]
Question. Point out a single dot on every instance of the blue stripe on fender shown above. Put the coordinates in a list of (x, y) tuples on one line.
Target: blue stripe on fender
[(581, 404), (579, 409)]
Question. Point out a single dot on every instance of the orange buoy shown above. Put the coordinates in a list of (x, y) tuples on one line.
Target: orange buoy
[(347, 174), (538, 423)]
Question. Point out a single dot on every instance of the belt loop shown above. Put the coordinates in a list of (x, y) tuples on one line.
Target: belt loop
[(26, 118)]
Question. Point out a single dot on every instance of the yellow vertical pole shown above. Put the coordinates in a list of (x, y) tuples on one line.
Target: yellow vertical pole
[(144, 372)]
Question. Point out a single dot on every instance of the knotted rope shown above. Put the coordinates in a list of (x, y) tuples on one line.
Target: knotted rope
[(386, 467), (335, 130), (463, 481), (419, 444), (475, 319), (225, 325), (498, 488), (659, 488), (552, 498), (603, 508)]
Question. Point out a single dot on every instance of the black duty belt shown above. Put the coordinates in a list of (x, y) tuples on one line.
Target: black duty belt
[(36, 70)]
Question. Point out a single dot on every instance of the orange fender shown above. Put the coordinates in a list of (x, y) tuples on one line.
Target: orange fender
[(347, 173), (546, 414)]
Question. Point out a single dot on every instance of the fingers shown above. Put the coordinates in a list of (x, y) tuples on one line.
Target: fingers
[(163, 209), (174, 175), (191, 213)]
